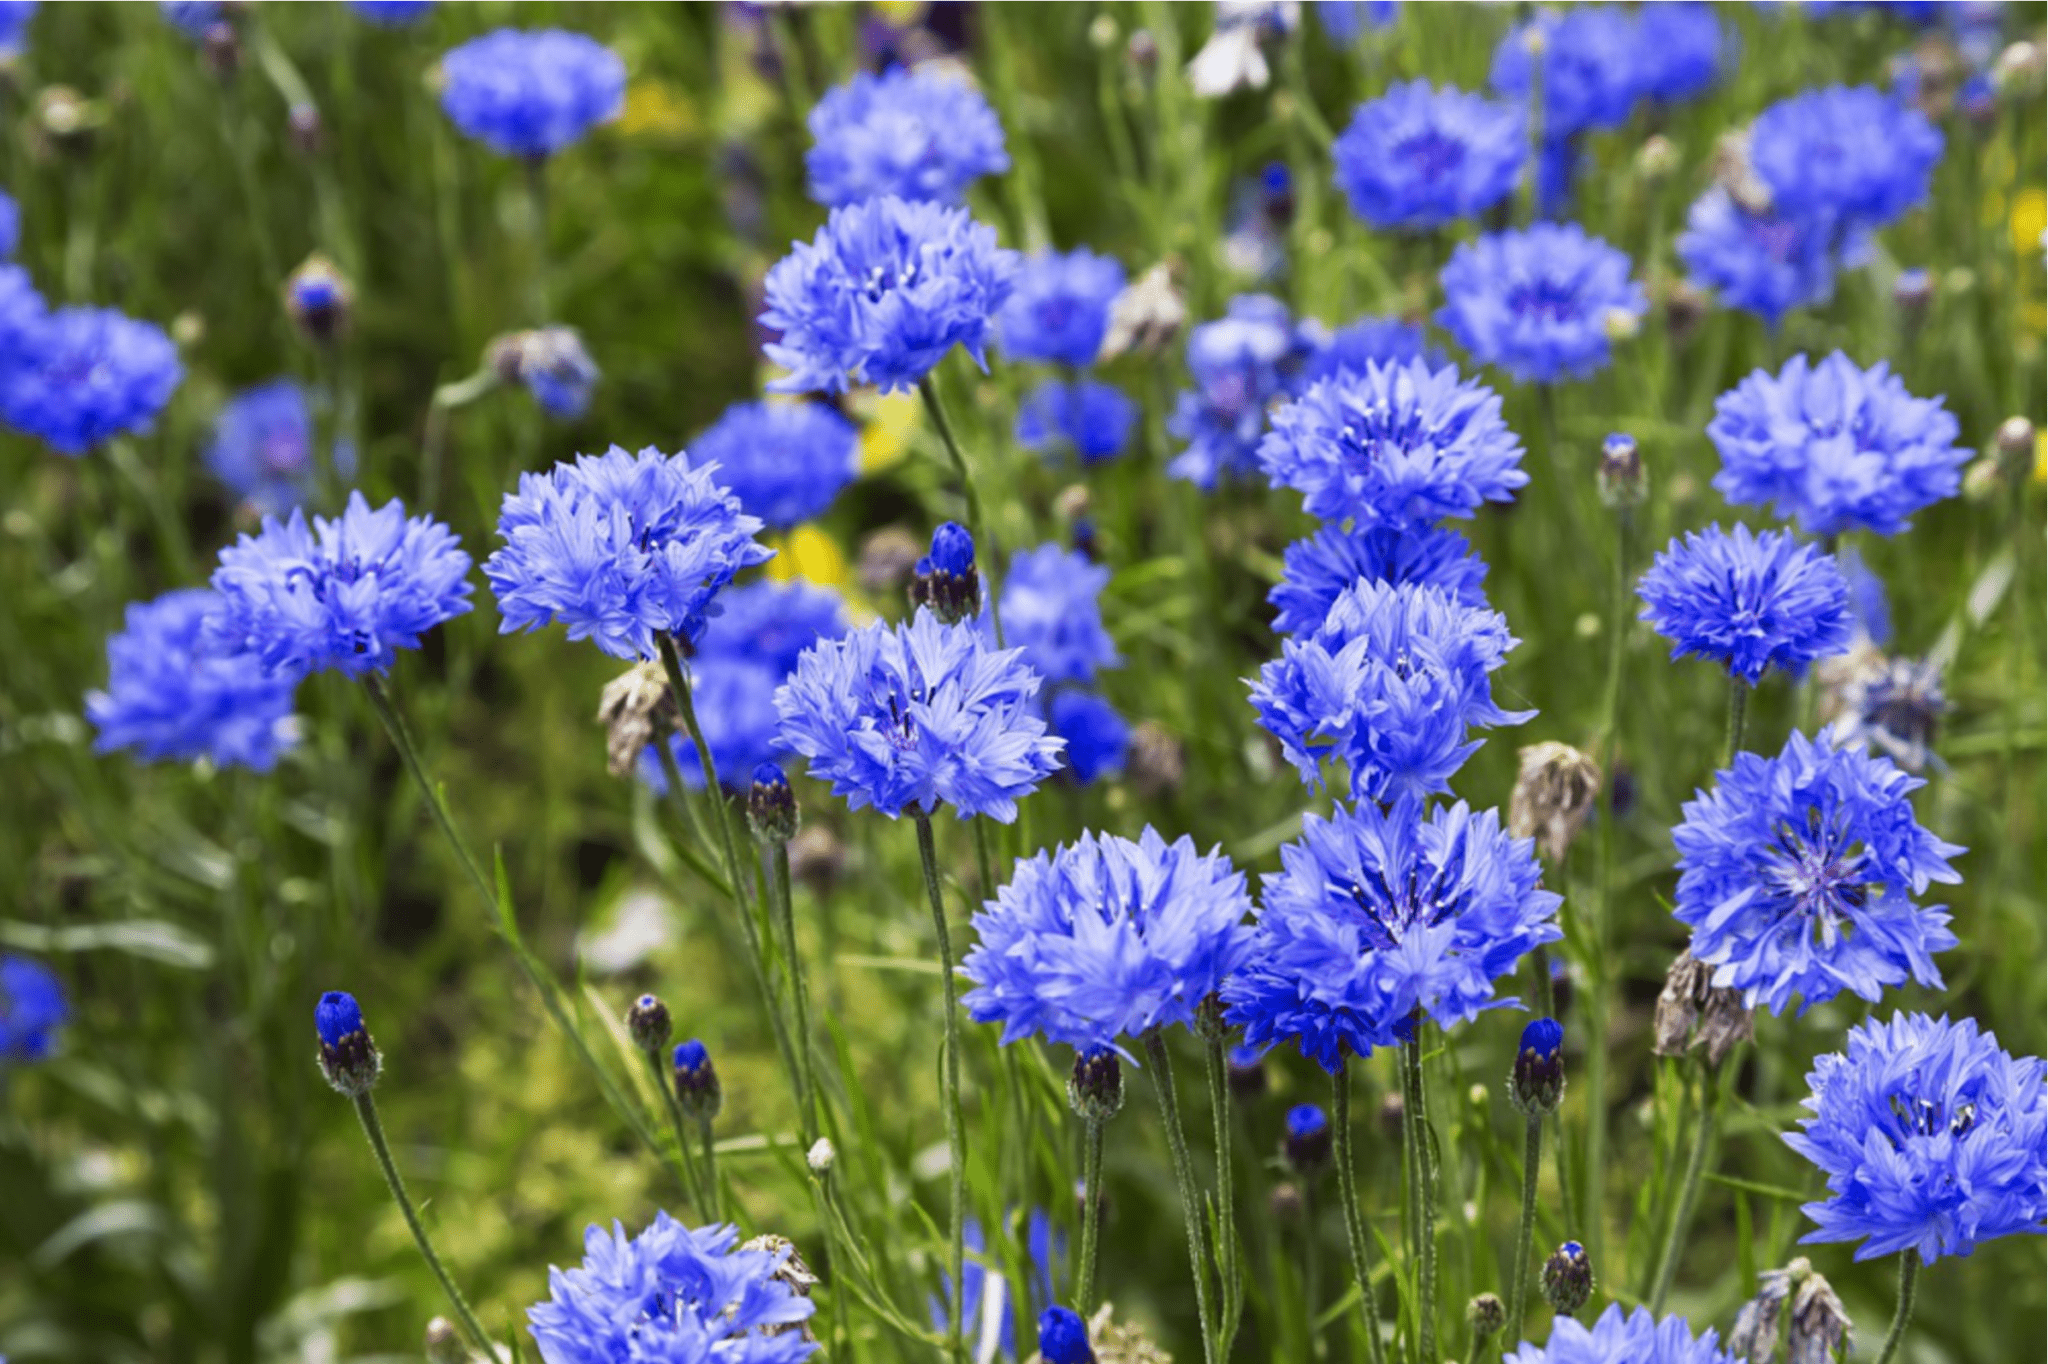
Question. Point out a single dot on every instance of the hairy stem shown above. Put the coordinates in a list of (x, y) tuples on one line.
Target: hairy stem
[(1421, 1194), (1184, 1177), (1525, 1234), (1091, 1215), (956, 1142), (366, 1113), (1909, 1277), (1354, 1220), (1689, 1191)]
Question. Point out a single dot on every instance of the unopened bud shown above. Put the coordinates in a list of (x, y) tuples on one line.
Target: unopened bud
[(318, 299), (2015, 446), (771, 806), (348, 1058), (817, 857), (1536, 1084), (1485, 1315), (821, 1155), (1656, 159), (1685, 307), (1142, 52), (1393, 1115), (1285, 1201), (305, 129), (696, 1081), (1621, 324), (946, 580), (1157, 761), (886, 561), (68, 120), (222, 48), (1307, 1144), (444, 1343), (1567, 1278), (1063, 1337), (1621, 479), (1245, 1070), (1095, 1089), (647, 1023), (1912, 292)]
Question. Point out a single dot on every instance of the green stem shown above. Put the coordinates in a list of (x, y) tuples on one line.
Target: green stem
[(366, 1113), (537, 223), (1738, 714), (1091, 1215), (1421, 1194), (1909, 1276), (434, 440), (1184, 1178), (1354, 1220), (1525, 1235), (986, 553), (714, 1196), (956, 1142), (664, 1081), (1229, 1281), (785, 913), (1597, 985), (721, 816), (1312, 1272), (1689, 1191)]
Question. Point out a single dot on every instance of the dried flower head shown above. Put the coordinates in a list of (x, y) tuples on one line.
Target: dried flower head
[(1554, 794), (635, 708)]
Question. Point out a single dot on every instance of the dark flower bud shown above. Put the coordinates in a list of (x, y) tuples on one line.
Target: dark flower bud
[(697, 1087), (647, 1022), (304, 124), (771, 806), (1912, 292), (1285, 1200), (1536, 1084), (1307, 1144), (348, 1057), (1621, 480), (1245, 1069), (1393, 1114), (1485, 1314), (1567, 1278), (1083, 536), (222, 48), (1063, 1337), (2015, 446), (946, 580), (1276, 193), (318, 299), (1142, 52), (444, 1344), (1685, 307), (1096, 1088)]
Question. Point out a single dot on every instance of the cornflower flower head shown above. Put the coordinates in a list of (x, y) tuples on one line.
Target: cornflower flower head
[(917, 715), (262, 447), (391, 13), (1537, 302), (1050, 610), (919, 135), (1241, 363), (1420, 157), (173, 693), (1345, 20), (1681, 50), (1851, 154), (1377, 913), (1397, 445), (346, 593), (883, 291), (620, 548), (785, 461), (1750, 602), (1933, 1139), (530, 93), (672, 1293), (1891, 704), (554, 365), (1105, 939), (1624, 1337), (85, 375), (772, 623), (1762, 262), (1371, 340), (1318, 570), (1591, 75), (1390, 684), (1097, 737), (10, 211), (1835, 447), (32, 1009), (1091, 418), (14, 21), (1797, 875), (1059, 312)]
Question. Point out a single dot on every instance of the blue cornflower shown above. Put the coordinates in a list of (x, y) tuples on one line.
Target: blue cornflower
[(1834, 447), (32, 1008), (1316, 571), (1749, 602), (85, 375), (1394, 445), (1851, 154), (1051, 612), (1241, 364), (1933, 1139), (1096, 736), (1761, 262), (1060, 309), (1344, 20), (785, 461), (1591, 67), (1624, 1337), (346, 593), (10, 211), (1371, 340), (918, 715), (191, 17), (1419, 157), (672, 1293), (1894, 704), (1390, 684), (391, 13), (262, 447), (1537, 302), (553, 365), (1377, 913), (1870, 609), (1797, 876), (1105, 939), (174, 693), (14, 20), (530, 93), (1681, 50), (921, 135), (884, 290), (1063, 1337), (620, 548), (1091, 417)]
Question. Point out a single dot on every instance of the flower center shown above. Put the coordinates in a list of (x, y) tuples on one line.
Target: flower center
[(1430, 155)]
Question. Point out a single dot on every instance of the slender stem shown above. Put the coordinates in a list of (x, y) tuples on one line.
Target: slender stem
[(366, 1113), (1091, 1215), (1312, 1272), (1229, 1282), (1184, 1177), (1597, 986), (1525, 1235), (785, 913), (714, 1196), (1738, 714), (408, 752), (986, 553), (537, 223), (721, 817), (1354, 1220), (1421, 1194), (664, 1081), (1909, 1276), (1689, 1191), (956, 1142)]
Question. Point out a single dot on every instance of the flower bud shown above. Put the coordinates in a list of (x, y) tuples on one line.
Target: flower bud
[(2018, 68), (1621, 478), (318, 299), (221, 46), (1536, 1085), (696, 1081), (1157, 761), (1096, 1088), (946, 580), (1621, 324), (444, 1344), (1912, 292), (348, 1057), (1102, 34), (1685, 307), (1393, 1115), (1285, 1201), (304, 127), (771, 806), (1142, 52), (816, 857), (1063, 1337), (1485, 1314), (1554, 793), (647, 1022), (67, 120), (1307, 1144), (1567, 1278), (1245, 1069), (821, 1155), (636, 709), (1656, 159), (2015, 447)]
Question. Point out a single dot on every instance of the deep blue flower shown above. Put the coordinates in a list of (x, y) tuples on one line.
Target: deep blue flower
[(1891, 704), (1765, 263), (1624, 1337), (262, 447), (1681, 50), (531, 93), (1379, 912), (1104, 939), (620, 548), (1933, 1138), (1096, 736), (1241, 364), (1394, 445), (1092, 418), (1050, 611), (85, 375), (1316, 571), (1063, 1337), (1591, 75), (884, 290), (785, 461), (391, 13), (1834, 447), (10, 211), (1538, 302), (174, 693), (1060, 309), (1419, 157), (1850, 154), (1371, 340), (346, 593), (32, 1008), (919, 715), (672, 1293), (14, 21), (1797, 876), (919, 135), (553, 365), (1389, 684), (1748, 602), (336, 1017)]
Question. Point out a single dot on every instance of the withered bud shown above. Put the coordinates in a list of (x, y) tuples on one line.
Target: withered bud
[(1073, 502), (2018, 68), (1147, 315), (1157, 760), (222, 48), (443, 1343), (1285, 1201), (1820, 1325), (1734, 173), (68, 120), (1694, 1012), (636, 708), (817, 857), (304, 126), (789, 1269), (1554, 793), (1656, 159), (2015, 446), (1121, 1343)]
